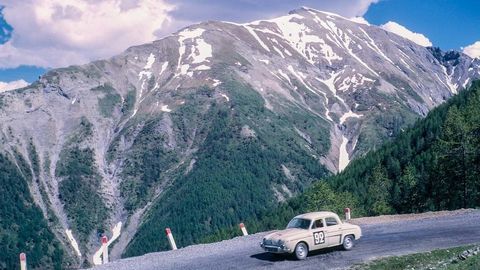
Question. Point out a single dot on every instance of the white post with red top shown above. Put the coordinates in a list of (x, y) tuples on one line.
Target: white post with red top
[(105, 249), (347, 213), (23, 261), (171, 241), (244, 230)]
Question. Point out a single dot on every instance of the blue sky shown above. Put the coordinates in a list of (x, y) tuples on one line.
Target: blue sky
[(26, 54), (449, 24)]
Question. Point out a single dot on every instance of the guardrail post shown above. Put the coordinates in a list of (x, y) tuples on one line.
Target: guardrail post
[(23, 261), (347, 213), (105, 249), (171, 241), (244, 230)]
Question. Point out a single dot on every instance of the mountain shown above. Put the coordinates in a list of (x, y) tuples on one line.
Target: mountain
[(214, 124), (432, 166)]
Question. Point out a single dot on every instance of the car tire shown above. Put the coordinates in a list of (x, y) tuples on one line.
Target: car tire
[(301, 251), (348, 242)]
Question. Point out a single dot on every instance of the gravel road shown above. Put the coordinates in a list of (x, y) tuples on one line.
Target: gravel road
[(383, 236)]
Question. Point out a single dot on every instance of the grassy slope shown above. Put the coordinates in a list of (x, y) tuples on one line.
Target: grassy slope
[(437, 259)]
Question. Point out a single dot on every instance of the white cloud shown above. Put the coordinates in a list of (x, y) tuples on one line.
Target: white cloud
[(401, 30), (345, 8), (7, 86), (359, 7), (243, 11), (55, 33), (360, 20), (473, 50)]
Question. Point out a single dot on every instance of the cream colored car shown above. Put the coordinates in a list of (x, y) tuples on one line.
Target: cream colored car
[(312, 231)]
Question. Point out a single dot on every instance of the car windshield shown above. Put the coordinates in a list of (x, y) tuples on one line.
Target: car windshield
[(299, 223)]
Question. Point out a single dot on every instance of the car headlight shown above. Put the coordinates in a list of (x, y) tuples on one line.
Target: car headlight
[(281, 242)]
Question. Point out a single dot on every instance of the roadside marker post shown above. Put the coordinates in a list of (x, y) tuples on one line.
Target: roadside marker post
[(171, 241), (244, 230), (97, 256), (105, 249), (347, 213), (23, 261)]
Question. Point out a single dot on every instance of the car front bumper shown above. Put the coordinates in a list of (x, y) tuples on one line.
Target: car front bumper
[(275, 249)]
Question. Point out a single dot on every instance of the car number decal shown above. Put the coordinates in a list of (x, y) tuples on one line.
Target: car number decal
[(318, 238)]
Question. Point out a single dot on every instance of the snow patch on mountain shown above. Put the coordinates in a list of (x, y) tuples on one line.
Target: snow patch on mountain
[(284, 75), (252, 32), (150, 61), (216, 82), (202, 67), (165, 108), (448, 78), (73, 242), (343, 159), (200, 51), (328, 53), (225, 96), (330, 82), (371, 43), (146, 69), (464, 85), (407, 65), (349, 115), (266, 61), (164, 67), (354, 81), (298, 35), (279, 52), (300, 76)]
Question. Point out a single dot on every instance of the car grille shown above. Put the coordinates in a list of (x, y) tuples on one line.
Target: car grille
[(270, 249), (270, 242)]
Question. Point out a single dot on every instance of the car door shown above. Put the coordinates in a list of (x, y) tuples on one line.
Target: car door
[(317, 230), (333, 231)]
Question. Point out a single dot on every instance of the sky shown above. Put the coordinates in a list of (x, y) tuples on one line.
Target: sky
[(37, 35)]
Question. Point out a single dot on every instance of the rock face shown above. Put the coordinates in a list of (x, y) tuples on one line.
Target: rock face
[(215, 122)]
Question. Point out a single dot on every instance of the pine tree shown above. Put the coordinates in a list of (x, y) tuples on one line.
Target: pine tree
[(379, 191), (409, 193)]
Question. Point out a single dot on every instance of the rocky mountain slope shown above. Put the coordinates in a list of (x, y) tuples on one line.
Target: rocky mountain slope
[(214, 123), (433, 165)]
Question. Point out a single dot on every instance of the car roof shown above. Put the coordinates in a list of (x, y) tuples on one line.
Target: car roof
[(314, 215)]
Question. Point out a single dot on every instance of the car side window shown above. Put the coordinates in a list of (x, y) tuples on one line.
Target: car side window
[(317, 224), (331, 221)]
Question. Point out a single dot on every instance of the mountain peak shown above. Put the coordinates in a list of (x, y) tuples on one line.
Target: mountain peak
[(304, 9)]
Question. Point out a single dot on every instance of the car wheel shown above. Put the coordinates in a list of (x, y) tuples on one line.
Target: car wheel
[(301, 251), (348, 242)]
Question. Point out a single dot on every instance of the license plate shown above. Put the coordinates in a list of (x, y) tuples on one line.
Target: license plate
[(269, 249)]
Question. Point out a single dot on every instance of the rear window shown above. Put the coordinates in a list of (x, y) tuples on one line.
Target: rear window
[(331, 221)]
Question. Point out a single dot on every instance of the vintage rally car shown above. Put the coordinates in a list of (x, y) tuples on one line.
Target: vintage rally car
[(311, 231)]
